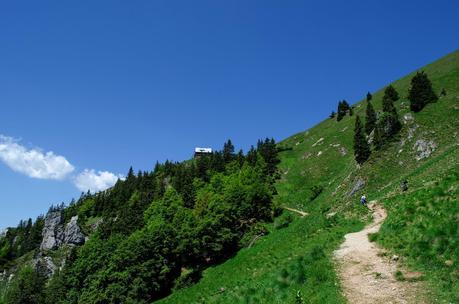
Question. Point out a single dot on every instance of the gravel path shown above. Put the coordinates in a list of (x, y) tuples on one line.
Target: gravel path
[(367, 276)]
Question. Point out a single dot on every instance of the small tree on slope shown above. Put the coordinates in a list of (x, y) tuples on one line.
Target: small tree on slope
[(421, 92), (361, 148), (370, 120), (392, 93)]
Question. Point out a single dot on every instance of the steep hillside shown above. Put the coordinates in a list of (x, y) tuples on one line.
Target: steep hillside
[(298, 258), (229, 228)]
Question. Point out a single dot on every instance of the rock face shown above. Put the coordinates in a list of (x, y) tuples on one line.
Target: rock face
[(359, 184), (424, 148), (72, 233), (44, 265), (55, 234)]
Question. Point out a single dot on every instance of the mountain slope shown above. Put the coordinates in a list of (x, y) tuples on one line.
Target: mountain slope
[(298, 258)]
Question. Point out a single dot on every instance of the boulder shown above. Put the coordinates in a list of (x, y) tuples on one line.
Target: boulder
[(424, 148), (44, 265), (72, 233), (358, 185), (408, 118), (53, 232)]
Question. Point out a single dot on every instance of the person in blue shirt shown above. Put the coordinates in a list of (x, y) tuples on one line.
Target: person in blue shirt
[(363, 200)]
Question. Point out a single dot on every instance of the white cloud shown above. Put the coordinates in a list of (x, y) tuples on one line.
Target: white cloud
[(90, 180), (33, 162)]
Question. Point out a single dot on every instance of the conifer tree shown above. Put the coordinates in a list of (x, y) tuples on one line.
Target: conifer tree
[(369, 96), (421, 92), (390, 121), (361, 148), (332, 114), (371, 119), (378, 141), (228, 151), (343, 107), (391, 92)]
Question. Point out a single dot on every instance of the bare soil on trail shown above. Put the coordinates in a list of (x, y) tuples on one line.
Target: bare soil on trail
[(368, 275)]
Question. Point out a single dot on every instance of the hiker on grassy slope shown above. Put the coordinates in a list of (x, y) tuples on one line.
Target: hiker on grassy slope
[(363, 200)]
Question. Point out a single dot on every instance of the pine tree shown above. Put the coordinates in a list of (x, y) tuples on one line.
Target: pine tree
[(361, 148), (391, 92), (332, 114), (421, 92), (371, 118), (369, 96), (343, 107), (378, 140), (228, 151), (390, 120)]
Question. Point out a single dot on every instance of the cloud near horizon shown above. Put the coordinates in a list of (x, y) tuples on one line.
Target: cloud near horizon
[(35, 163), (94, 181)]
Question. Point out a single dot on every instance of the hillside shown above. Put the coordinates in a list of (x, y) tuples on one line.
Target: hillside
[(217, 229), (298, 258)]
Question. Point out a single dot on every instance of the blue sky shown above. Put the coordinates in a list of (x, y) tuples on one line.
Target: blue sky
[(104, 85)]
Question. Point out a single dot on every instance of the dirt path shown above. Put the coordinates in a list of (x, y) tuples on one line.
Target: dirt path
[(302, 213), (367, 276)]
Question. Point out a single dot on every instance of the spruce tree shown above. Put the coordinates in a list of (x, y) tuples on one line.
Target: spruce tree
[(392, 93), (361, 148), (378, 140), (369, 96), (421, 92), (228, 151), (371, 119), (390, 120), (332, 114), (343, 107)]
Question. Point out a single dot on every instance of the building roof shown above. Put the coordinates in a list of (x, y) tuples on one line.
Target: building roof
[(202, 150)]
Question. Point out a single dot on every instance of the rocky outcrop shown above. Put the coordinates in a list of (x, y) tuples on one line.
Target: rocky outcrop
[(53, 231), (72, 233), (55, 234), (424, 148), (358, 185), (44, 265)]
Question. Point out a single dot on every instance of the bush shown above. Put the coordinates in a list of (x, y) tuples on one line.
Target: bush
[(283, 221)]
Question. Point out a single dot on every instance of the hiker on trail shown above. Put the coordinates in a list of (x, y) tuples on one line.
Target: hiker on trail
[(404, 185), (363, 200)]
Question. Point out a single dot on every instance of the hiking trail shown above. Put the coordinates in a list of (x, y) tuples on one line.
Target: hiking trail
[(367, 275)]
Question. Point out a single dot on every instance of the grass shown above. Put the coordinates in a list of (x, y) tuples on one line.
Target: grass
[(295, 257)]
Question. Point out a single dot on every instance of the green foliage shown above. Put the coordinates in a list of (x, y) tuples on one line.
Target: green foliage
[(421, 92), (390, 93), (370, 119), (361, 148), (343, 108), (26, 288), (423, 226), (316, 190), (283, 221)]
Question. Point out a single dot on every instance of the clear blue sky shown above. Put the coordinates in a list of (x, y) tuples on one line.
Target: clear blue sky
[(109, 84)]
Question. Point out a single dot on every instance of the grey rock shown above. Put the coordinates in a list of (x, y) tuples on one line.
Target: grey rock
[(53, 232), (44, 265), (72, 233), (371, 137), (424, 148), (359, 184), (343, 151), (408, 118), (3, 232)]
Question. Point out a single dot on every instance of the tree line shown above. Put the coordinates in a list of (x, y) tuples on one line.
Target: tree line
[(161, 229)]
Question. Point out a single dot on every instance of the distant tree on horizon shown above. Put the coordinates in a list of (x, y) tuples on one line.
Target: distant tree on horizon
[(369, 96)]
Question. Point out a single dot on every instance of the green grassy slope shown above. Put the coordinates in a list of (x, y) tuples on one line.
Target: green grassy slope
[(298, 258)]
